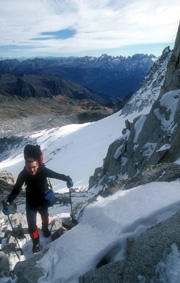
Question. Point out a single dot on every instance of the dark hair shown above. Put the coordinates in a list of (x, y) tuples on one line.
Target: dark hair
[(33, 152)]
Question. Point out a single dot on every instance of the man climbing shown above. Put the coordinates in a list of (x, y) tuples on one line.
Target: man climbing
[(34, 175)]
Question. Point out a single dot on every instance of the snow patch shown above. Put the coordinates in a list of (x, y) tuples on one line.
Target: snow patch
[(118, 151), (177, 161), (124, 160), (164, 147)]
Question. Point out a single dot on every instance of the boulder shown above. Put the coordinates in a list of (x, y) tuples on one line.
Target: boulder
[(27, 271), (4, 264), (7, 178), (56, 229), (7, 182)]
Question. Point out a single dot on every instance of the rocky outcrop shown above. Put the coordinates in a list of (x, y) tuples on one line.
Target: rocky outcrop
[(143, 256), (163, 172), (151, 139)]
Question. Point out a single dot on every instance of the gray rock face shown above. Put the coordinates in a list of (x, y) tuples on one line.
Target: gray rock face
[(172, 80), (151, 139), (142, 256), (150, 248)]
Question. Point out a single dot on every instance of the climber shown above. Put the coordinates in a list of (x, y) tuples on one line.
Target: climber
[(34, 176)]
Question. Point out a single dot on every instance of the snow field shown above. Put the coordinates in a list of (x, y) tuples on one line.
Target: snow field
[(74, 150)]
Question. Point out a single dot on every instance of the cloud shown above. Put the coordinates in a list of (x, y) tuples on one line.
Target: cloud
[(60, 34), (71, 26)]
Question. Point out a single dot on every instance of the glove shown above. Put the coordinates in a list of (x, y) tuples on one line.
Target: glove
[(5, 208), (69, 183)]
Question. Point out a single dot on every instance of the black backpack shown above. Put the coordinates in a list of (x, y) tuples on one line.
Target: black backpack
[(33, 151)]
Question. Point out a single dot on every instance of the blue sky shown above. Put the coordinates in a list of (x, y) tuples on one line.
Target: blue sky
[(82, 27)]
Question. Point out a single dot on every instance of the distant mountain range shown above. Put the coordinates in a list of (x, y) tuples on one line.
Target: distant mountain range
[(106, 77), (87, 88)]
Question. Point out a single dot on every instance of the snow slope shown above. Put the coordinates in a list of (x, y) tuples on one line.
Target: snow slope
[(106, 224), (74, 150)]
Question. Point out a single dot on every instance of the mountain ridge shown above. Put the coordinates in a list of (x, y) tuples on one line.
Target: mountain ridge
[(150, 87), (107, 75), (29, 85)]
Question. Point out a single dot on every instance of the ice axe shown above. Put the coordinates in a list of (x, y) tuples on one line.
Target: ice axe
[(70, 198)]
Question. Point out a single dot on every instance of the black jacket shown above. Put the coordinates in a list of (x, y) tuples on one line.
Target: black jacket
[(35, 185)]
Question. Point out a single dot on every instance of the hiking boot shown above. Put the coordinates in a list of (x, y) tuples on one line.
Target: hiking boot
[(46, 231), (36, 245), (36, 248)]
